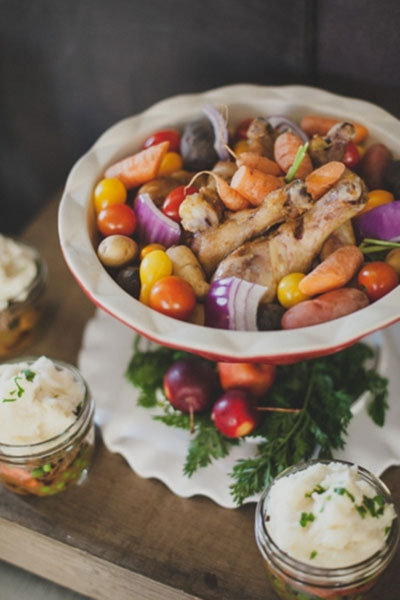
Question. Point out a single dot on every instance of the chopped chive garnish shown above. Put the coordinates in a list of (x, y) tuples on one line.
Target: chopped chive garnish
[(20, 389), (9, 400), (368, 505), (387, 529), (342, 491), (298, 159), (306, 518), (29, 375), (313, 554), (317, 490)]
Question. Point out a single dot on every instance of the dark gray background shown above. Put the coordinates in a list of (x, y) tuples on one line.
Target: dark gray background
[(71, 68)]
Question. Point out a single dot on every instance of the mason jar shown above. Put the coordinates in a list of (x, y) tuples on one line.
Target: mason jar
[(295, 580), (52, 466), (20, 318)]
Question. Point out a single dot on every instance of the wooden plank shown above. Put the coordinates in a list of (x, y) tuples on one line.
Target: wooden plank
[(122, 536), (76, 569)]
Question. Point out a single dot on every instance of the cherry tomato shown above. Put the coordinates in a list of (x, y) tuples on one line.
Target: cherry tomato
[(241, 129), (154, 266), (173, 296), (377, 279), (171, 162), (150, 248), (288, 290), (351, 156), (377, 198), (165, 135), (174, 199), (117, 218), (107, 192)]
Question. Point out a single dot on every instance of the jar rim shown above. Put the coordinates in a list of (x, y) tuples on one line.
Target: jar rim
[(305, 569), (13, 450)]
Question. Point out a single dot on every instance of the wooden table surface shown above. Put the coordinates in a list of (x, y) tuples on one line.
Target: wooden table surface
[(119, 536)]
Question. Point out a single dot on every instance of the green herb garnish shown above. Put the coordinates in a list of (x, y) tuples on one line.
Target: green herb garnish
[(306, 518), (9, 400), (20, 389), (342, 491), (387, 529), (368, 505), (29, 375), (317, 490), (323, 390), (298, 159), (313, 554)]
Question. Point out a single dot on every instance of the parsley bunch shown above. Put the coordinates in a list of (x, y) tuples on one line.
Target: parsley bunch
[(323, 390)]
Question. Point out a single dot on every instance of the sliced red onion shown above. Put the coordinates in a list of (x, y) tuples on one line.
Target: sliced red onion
[(220, 130), (283, 124), (381, 223), (232, 303), (153, 225)]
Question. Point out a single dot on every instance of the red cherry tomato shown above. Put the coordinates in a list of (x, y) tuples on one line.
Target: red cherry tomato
[(174, 199), (241, 129), (166, 135), (377, 279), (173, 296), (117, 218), (351, 156)]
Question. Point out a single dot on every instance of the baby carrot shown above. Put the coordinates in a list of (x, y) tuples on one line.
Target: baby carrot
[(254, 185), (139, 168), (321, 180), (261, 163), (232, 199), (334, 272), (312, 124), (285, 150)]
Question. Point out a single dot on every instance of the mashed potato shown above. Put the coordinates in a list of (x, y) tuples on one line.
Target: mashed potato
[(17, 271), (37, 401), (327, 516)]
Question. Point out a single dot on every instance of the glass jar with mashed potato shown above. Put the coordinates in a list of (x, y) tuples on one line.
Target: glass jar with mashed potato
[(46, 426), (23, 277), (326, 530)]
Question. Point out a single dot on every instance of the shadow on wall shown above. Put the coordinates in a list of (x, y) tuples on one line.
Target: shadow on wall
[(34, 151)]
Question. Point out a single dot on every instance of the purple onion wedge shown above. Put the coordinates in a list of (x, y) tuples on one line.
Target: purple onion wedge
[(220, 130), (153, 226), (232, 303), (282, 124)]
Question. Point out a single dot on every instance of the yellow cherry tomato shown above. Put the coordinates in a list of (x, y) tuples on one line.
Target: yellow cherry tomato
[(171, 162), (241, 146), (154, 266), (149, 248), (377, 198), (288, 290), (361, 150), (107, 192)]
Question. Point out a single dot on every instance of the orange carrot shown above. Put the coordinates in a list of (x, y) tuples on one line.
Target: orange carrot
[(334, 272), (254, 185), (312, 124), (261, 163), (285, 150), (321, 180), (139, 168), (232, 199)]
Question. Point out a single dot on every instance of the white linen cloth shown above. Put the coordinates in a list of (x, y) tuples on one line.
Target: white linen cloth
[(154, 450)]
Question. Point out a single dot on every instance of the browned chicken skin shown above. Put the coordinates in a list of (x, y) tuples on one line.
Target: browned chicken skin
[(212, 245), (295, 244), (333, 145)]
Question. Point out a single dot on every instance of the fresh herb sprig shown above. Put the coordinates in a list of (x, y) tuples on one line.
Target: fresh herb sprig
[(323, 390)]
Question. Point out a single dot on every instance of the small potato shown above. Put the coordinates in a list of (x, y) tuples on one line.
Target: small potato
[(326, 307), (374, 164), (393, 259), (117, 251)]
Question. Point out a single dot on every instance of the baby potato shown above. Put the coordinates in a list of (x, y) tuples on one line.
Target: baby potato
[(117, 251)]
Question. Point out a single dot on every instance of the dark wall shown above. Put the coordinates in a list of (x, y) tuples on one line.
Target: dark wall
[(71, 68)]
